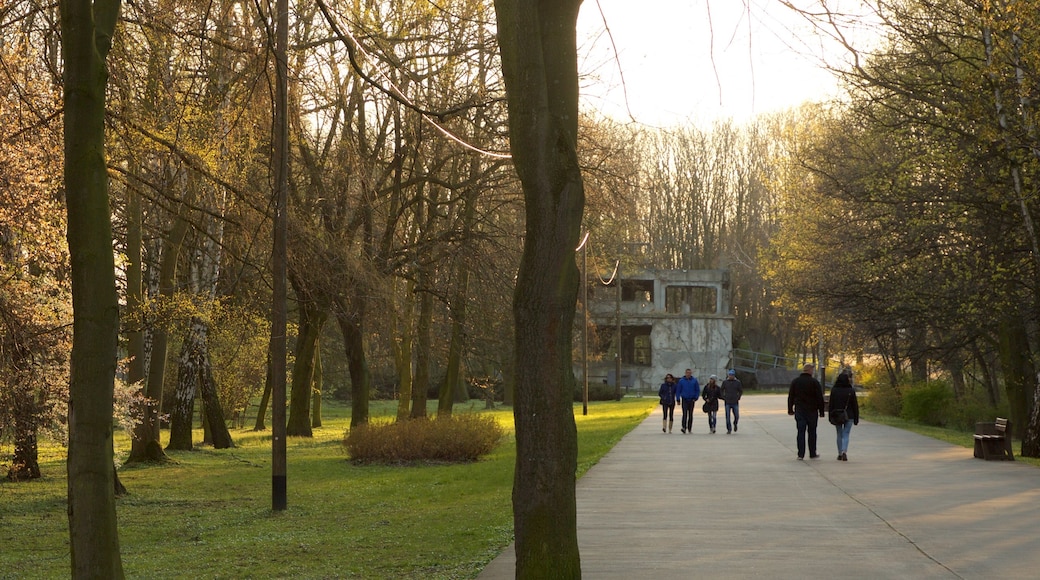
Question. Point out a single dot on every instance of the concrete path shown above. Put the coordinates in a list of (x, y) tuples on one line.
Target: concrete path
[(666, 506)]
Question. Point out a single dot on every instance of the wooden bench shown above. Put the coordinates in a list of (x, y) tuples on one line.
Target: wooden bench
[(993, 440)]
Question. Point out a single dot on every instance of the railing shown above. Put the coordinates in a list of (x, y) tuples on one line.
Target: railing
[(750, 361)]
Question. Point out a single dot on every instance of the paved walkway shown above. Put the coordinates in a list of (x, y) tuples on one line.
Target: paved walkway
[(742, 506)]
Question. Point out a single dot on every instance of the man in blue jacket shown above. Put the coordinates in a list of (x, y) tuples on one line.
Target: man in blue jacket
[(688, 390)]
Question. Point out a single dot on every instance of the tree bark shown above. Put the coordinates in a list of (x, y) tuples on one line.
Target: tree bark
[(87, 27), (421, 385), (146, 444), (539, 63), (316, 387), (312, 321), (265, 399), (349, 315)]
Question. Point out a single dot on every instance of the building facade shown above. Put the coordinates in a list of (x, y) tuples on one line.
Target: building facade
[(670, 320)]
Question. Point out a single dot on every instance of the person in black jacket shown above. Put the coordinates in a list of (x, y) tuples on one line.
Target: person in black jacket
[(711, 394), (805, 402), (667, 394), (843, 396)]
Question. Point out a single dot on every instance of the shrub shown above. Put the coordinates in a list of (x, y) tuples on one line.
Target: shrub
[(597, 392), (460, 438), (971, 408), (928, 404), (884, 399)]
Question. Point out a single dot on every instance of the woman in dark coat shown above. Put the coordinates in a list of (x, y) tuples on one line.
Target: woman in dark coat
[(843, 396), (667, 394), (711, 394)]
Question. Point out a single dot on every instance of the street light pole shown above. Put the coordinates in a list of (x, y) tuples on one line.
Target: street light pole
[(617, 357), (585, 325)]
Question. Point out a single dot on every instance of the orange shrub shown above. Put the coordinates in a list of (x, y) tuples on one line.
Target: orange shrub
[(460, 438)]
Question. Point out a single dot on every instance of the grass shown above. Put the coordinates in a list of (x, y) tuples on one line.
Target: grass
[(954, 436), (207, 513)]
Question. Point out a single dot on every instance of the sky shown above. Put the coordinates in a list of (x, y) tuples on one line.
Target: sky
[(766, 58)]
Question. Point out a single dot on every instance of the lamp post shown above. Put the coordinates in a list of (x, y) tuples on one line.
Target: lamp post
[(585, 324), (617, 355)]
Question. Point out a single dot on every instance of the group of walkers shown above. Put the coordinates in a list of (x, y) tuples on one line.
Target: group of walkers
[(687, 391), (805, 401)]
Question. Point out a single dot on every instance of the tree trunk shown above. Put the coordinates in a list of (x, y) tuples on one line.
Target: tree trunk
[(317, 385), (312, 321), (220, 437), (265, 399), (134, 289), (26, 461), (1019, 373), (87, 27), (422, 347), (453, 373), (146, 444), (403, 355), (349, 317), (539, 64), (182, 414)]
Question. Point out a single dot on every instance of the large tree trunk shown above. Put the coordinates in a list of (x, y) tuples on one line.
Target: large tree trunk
[(312, 322), (539, 63), (350, 315), (220, 437), (87, 27), (403, 354), (1019, 373), (265, 399), (134, 289), (26, 461), (146, 444), (317, 384), (422, 347), (182, 413)]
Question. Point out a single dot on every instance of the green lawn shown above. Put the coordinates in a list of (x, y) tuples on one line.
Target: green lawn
[(962, 438), (207, 513)]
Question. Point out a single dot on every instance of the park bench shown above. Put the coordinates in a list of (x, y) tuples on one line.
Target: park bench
[(993, 440)]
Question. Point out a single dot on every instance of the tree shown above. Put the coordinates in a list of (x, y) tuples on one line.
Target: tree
[(539, 64), (87, 28)]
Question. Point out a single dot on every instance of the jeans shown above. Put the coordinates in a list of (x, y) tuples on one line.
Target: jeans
[(806, 421), (669, 411), (843, 436), (687, 414), (736, 415), (712, 419)]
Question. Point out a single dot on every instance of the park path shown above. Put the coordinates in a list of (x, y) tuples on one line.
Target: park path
[(742, 506)]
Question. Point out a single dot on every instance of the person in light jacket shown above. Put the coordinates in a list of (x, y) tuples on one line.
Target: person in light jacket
[(843, 396)]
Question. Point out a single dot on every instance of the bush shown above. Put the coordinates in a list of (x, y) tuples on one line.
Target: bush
[(597, 392), (459, 438), (928, 404), (971, 408), (884, 399)]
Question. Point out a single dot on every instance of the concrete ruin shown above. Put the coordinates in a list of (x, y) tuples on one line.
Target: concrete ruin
[(670, 320)]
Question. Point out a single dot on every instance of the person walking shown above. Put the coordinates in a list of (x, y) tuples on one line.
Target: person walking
[(689, 390), (711, 394), (843, 396), (667, 394), (732, 391), (805, 402)]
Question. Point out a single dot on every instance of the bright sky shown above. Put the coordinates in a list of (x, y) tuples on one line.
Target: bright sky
[(766, 56)]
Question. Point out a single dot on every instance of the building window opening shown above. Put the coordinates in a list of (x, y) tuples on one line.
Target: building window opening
[(691, 300), (635, 344)]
